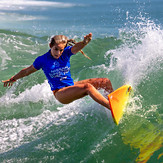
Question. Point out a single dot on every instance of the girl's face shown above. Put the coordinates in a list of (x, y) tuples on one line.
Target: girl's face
[(57, 50)]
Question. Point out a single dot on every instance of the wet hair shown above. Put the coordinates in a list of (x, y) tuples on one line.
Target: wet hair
[(64, 39), (61, 39)]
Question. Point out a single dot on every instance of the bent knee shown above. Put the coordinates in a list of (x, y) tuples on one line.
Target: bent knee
[(87, 86)]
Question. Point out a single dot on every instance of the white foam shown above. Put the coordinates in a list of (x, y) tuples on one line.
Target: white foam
[(4, 57), (39, 92), (16, 132)]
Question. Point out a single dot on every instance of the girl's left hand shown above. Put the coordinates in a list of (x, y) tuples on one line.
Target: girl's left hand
[(87, 38)]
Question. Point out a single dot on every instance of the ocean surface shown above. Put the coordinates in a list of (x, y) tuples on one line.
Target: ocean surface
[(127, 48)]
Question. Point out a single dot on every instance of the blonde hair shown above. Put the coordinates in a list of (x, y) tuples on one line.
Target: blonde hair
[(64, 39), (58, 39)]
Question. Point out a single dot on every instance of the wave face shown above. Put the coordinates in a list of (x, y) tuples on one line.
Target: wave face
[(35, 127)]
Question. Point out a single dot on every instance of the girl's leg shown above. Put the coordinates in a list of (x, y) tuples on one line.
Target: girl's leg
[(99, 83), (81, 89)]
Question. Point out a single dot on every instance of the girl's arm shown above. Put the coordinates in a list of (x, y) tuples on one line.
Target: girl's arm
[(80, 45), (24, 72)]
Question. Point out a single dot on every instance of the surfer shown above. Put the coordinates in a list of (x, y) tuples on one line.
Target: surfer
[(56, 66)]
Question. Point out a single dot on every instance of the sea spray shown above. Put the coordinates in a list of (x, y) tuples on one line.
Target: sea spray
[(140, 53)]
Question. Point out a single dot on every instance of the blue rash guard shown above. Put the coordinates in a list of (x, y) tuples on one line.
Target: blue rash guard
[(57, 71)]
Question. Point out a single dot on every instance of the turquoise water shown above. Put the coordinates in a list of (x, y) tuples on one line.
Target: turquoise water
[(127, 47)]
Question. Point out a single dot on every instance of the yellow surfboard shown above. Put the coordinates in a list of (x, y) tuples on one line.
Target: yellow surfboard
[(118, 100)]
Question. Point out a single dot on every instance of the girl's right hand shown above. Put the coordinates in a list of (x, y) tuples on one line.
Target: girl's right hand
[(8, 82), (87, 38)]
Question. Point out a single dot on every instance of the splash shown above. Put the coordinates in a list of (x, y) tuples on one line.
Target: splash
[(141, 52)]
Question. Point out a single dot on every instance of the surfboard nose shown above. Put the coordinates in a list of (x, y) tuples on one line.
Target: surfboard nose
[(118, 100)]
